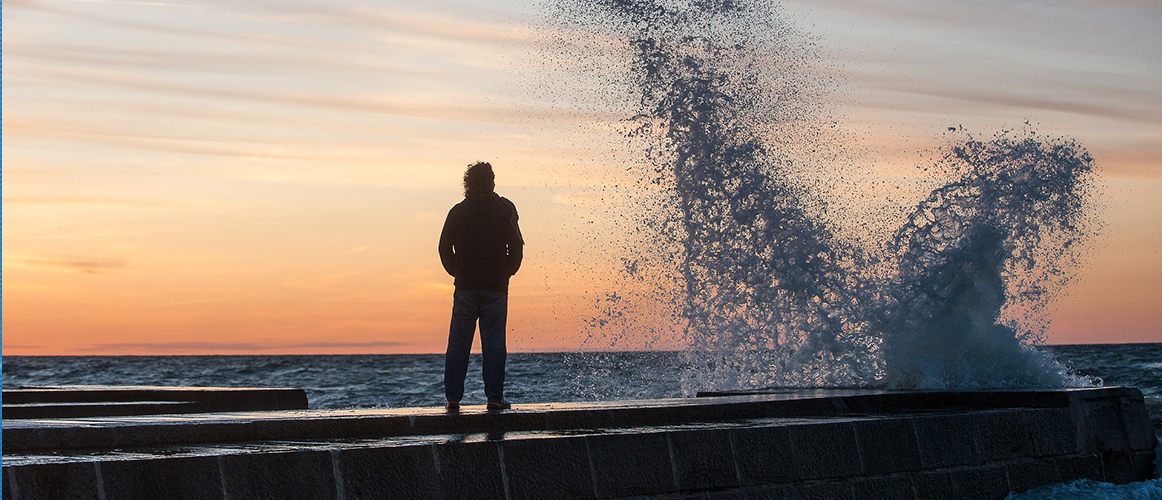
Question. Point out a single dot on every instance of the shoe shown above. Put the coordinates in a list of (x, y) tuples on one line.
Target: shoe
[(499, 405), (452, 405)]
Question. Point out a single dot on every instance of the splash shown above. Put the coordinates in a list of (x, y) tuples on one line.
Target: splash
[(731, 108), (979, 261)]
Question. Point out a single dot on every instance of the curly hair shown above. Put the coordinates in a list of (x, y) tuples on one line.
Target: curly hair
[(479, 179)]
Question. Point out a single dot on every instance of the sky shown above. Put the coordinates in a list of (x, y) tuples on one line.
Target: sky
[(253, 176)]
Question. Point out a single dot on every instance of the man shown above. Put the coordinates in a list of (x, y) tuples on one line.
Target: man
[(481, 246)]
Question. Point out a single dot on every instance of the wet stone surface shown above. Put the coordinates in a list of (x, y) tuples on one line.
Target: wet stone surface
[(753, 446)]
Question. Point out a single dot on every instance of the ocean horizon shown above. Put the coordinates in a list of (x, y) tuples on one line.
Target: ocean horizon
[(334, 381)]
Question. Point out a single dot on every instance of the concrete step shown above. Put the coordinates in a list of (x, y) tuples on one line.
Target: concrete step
[(95, 401), (725, 447)]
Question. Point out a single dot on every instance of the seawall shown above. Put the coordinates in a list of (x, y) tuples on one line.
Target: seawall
[(848, 444)]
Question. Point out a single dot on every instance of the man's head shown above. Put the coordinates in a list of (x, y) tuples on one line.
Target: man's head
[(479, 179)]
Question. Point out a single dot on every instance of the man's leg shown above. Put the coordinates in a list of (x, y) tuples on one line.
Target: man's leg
[(465, 311), (493, 321)]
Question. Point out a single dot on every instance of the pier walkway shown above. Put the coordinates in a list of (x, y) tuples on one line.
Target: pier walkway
[(849, 444)]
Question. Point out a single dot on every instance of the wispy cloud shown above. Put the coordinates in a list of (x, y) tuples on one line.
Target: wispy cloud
[(171, 347), (410, 106), (126, 202), (66, 264), (345, 345), (185, 347), (70, 236), (321, 282), (1012, 99), (141, 4)]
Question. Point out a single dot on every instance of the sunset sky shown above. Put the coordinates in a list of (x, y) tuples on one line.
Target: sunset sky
[(270, 176)]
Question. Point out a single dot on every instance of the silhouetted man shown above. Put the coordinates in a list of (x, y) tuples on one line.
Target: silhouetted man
[(481, 246)]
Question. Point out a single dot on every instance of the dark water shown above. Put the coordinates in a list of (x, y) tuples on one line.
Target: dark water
[(417, 380), (344, 381)]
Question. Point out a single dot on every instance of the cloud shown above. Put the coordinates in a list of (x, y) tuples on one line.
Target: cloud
[(31, 4), (182, 347), (66, 236), (321, 282), (336, 35), (67, 264), (1008, 98), (141, 4), (342, 345), (207, 61), (170, 347), (434, 107), (123, 202)]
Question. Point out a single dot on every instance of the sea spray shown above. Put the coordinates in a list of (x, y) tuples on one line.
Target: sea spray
[(725, 91), (980, 259), (744, 253)]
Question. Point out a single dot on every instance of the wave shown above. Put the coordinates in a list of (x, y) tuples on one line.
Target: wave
[(734, 114)]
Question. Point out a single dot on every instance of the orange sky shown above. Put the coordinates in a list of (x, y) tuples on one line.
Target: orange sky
[(246, 177)]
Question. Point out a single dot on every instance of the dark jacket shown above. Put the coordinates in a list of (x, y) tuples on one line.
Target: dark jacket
[(481, 245)]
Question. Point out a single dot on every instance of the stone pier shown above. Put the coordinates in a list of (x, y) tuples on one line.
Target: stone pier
[(843, 444), (106, 401)]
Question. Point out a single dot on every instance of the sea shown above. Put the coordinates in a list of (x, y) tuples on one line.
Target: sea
[(413, 380), (738, 173)]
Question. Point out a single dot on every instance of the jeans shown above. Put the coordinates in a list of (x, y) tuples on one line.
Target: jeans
[(491, 309)]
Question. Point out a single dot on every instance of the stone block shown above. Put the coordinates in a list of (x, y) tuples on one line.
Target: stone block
[(825, 450), (935, 485), (402, 472), (829, 490), (704, 459), (1026, 475), (893, 488), (75, 481), (1126, 466), (514, 421), (548, 468), (758, 492), (1052, 432), (1105, 425), (470, 470), (1144, 464), (1079, 467), (631, 464), (577, 419), (377, 427), (984, 483), (946, 440), (887, 445), (193, 478), (763, 455), (1137, 468), (1136, 419), (300, 474), (1003, 435), (196, 433), (676, 495), (648, 416), (281, 429)]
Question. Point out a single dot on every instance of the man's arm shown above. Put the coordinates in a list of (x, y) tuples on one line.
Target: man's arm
[(515, 242), (447, 237)]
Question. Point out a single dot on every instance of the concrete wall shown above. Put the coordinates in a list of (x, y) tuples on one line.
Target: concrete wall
[(93, 401), (938, 453)]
